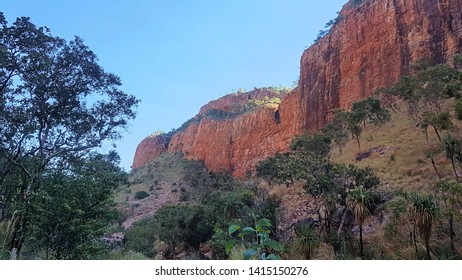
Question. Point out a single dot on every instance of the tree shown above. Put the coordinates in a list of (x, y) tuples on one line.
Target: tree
[(439, 121), (72, 211), (453, 149), (450, 193), (359, 202), (425, 91), (308, 237), (57, 104), (423, 210), (337, 129), (367, 110), (175, 224)]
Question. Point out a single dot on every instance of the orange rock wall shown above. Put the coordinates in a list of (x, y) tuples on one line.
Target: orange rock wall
[(372, 46), (149, 149), (237, 145)]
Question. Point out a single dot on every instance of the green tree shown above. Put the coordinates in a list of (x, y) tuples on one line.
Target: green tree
[(337, 129), (177, 224), (453, 150), (360, 202), (425, 91), (439, 121), (72, 211), (458, 110), (450, 193), (362, 112), (309, 238), (423, 210), (57, 104)]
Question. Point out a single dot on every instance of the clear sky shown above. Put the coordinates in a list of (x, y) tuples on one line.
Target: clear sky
[(177, 55)]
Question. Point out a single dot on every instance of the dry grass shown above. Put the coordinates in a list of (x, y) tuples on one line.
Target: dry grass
[(405, 164)]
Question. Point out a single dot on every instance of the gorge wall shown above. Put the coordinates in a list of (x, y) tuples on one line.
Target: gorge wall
[(373, 43)]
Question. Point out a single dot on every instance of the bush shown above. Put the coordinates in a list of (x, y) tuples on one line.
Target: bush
[(141, 195), (458, 109), (141, 238)]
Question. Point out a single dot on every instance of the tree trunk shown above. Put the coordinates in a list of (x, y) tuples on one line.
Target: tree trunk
[(452, 234), (437, 133), (359, 144), (414, 238), (455, 171), (427, 246), (361, 240), (434, 167)]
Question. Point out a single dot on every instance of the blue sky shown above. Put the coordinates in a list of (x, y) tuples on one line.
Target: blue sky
[(177, 55)]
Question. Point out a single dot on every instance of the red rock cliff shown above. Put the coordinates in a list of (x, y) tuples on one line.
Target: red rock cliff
[(150, 148), (371, 46)]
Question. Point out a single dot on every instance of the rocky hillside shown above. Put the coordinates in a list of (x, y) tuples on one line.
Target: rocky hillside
[(371, 44)]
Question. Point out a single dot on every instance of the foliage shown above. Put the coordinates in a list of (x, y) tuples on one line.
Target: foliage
[(261, 247), (336, 129), (217, 114), (57, 105), (453, 150), (123, 255), (425, 91), (182, 223), (308, 237), (255, 103), (230, 206), (450, 193), (423, 210), (362, 112), (278, 169), (358, 2), (328, 26), (360, 202), (458, 110), (71, 212), (141, 237), (141, 195), (175, 224)]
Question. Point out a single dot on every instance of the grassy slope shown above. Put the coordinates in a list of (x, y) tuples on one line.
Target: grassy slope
[(404, 164), (166, 179)]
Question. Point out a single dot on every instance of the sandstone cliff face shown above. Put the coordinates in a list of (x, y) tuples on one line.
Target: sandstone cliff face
[(149, 149), (371, 46), (236, 145)]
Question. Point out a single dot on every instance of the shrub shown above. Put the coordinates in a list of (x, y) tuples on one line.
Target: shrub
[(458, 109), (141, 195)]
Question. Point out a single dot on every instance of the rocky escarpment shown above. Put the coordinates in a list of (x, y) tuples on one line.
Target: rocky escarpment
[(150, 148), (237, 144), (372, 44)]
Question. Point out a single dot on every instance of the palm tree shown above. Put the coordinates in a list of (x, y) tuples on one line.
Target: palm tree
[(424, 210), (308, 237), (359, 202)]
